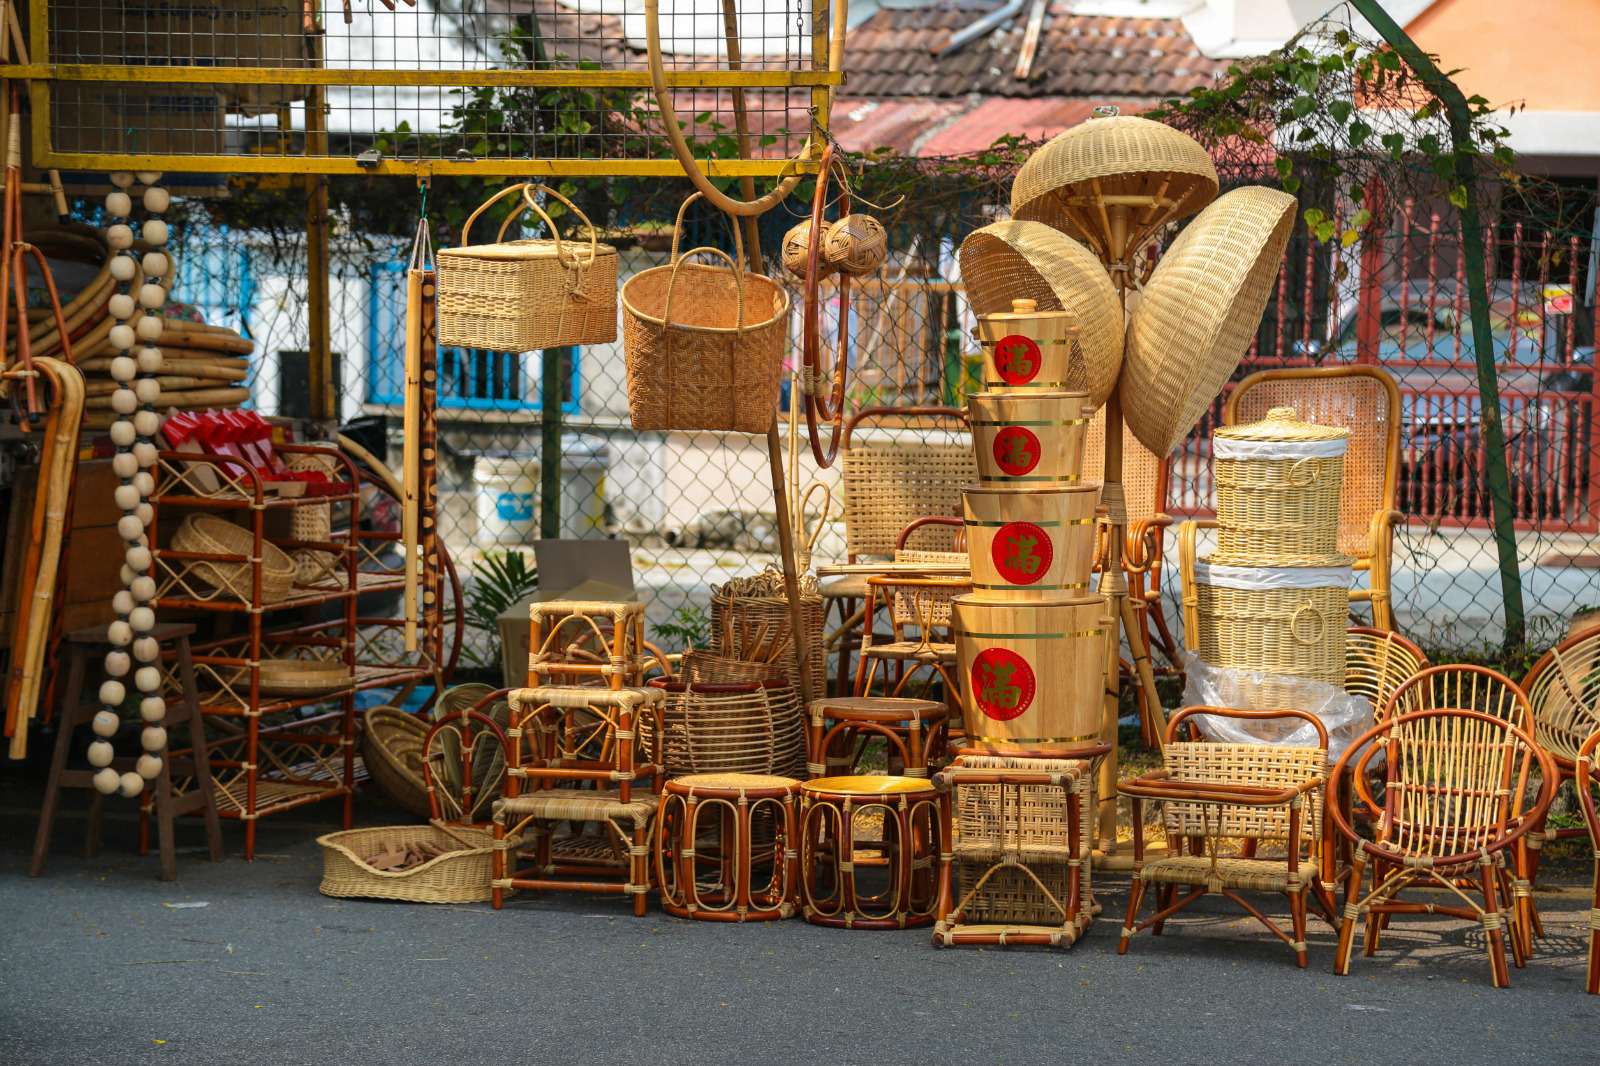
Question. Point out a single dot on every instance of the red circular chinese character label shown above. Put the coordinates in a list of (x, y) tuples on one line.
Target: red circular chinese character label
[(1016, 450), (1021, 552), (1002, 683), (1017, 359)]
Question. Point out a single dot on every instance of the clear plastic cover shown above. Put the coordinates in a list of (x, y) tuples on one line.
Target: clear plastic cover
[(1344, 715)]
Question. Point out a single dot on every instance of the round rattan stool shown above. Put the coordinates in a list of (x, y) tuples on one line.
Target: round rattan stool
[(838, 730), (714, 831), (871, 850)]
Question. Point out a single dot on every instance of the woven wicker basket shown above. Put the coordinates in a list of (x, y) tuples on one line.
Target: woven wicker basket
[(313, 521), (519, 296), (704, 344), (302, 677), (209, 534), (1292, 621), (1278, 488), (1200, 310), (391, 747), (754, 727), (461, 876), (745, 605), (855, 245)]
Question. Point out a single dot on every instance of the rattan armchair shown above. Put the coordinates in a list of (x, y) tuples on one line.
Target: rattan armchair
[(1584, 769), (1452, 808), (1377, 662), (1564, 689), (1213, 793), (1365, 400)]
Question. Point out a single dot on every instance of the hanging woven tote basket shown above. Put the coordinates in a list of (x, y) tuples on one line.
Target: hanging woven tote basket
[(704, 344), (524, 295)]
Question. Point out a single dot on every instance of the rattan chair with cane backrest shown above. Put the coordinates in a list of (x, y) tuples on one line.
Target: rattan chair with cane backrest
[(1584, 770), (1377, 662), (1366, 401), (1564, 689), (1455, 784), (1214, 793), (922, 605)]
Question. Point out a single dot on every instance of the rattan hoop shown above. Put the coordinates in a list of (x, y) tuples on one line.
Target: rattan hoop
[(208, 534)]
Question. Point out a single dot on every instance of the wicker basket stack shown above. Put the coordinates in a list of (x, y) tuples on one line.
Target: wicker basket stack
[(1273, 597)]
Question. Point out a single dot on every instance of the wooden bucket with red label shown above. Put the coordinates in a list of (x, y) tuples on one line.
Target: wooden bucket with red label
[(1028, 438), (1027, 350), (1031, 673), (1034, 544)]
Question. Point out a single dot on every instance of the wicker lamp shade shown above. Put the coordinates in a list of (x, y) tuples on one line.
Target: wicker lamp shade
[(1010, 261), (1199, 310), (856, 245), (1121, 156)]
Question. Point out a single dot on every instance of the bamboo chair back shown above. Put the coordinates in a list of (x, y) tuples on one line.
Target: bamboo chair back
[(923, 604), (1363, 399), (890, 484), (1260, 765), (1458, 685), (1377, 662), (1144, 477), (1564, 690), (916, 543)]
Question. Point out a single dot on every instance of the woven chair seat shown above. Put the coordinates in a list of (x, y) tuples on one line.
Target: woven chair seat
[(883, 709), (1252, 875), (578, 805), (734, 782), (911, 649), (849, 587), (1037, 854)]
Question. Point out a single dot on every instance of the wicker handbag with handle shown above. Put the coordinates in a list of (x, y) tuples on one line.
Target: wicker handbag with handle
[(704, 344), (520, 296)]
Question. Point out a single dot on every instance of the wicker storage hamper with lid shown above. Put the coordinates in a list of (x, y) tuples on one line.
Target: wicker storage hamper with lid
[(704, 344), (524, 295), (1282, 619), (1278, 489)]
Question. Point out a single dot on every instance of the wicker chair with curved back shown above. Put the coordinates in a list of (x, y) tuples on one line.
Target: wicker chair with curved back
[(1365, 400), (1564, 688), (1377, 662), (1584, 768), (1453, 807), (1464, 686)]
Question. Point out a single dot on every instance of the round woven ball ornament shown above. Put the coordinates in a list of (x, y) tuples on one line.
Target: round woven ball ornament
[(1198, 312), (1008, 261), (796, 247), (855, 245)]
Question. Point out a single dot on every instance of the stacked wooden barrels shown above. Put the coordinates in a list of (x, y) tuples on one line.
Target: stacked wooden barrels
[(1030, 636)]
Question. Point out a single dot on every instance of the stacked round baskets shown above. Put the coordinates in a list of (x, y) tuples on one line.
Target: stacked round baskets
[(1274, 597)]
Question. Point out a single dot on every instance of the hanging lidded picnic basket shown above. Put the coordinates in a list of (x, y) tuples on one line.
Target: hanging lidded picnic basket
[(704, 344), (1278, 488), (1275, 619), (524, 295)]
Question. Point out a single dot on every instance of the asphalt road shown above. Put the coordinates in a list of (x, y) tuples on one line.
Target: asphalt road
[(247, 963)]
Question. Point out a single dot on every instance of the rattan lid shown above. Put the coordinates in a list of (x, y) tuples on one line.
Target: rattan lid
[(1028, 310), (1282, 425)]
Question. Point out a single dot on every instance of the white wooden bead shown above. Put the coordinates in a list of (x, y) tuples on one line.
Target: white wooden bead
[(105, 723), (144, 451), (121, 305), (117, 663), (120, 633), (147, 177), (156, 200), (123, 433), (154, 738), (122, 337), (124, 402), (129, 527), (149, 360), (152, 295), (142, 619), (145, 483), (146, 649), (118, 204), (146, 514), (155, 232), (143, 588), (124, 267), (123, 368), (148, 390), (146, 423), (126, 497), (123, 464), (123, 603), (150, 328), (112, 693), (119, 237), (139, 559), (147, 679), (152, 708), (107, 781), (131, 785), (148, 766), (155, 264), (122, 178), (101, 753), (127, 576)]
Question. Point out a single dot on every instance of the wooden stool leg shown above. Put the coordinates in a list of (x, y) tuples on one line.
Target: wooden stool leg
[(202, 754), (640, 871), (66, 723)]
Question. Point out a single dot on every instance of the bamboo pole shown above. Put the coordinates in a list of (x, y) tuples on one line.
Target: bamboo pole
[(411, 448)]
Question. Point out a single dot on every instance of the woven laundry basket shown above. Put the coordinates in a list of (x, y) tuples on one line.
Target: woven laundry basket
[(1278, 488), (753, 727), (208, 534), (524, 295), (1010, 261), (704, 344), (1199, 310), (1276, 619)]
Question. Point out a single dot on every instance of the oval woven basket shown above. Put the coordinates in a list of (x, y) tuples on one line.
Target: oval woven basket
[(303, 677), (753, 727), (462, 876), (391, 746), (211, 535), (1279, 484)]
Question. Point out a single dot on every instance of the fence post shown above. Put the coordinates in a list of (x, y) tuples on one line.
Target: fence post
[(551, 395), (1493, 433)]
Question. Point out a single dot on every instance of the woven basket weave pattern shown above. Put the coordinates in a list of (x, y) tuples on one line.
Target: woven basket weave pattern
[(887, 487), (391, 747), (459, 877), (216, 536), (759, 730), (1277, 507), (1260, 765), (1276, 631)]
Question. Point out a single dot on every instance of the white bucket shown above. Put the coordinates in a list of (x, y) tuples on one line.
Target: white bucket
[(507, 499)]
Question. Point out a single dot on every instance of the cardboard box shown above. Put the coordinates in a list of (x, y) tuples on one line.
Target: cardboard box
[(568, 570)]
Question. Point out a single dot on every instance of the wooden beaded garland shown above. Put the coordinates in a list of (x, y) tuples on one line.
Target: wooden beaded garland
[(133, 434)]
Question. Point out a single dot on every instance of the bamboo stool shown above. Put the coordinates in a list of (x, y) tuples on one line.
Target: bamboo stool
[(914, 730), (577, 735), (833, 812), (569, 644), (81, 644), (728, 848)]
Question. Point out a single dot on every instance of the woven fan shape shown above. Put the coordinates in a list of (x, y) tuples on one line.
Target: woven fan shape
[(1199, 310), (1128, 156), (1015, 260)]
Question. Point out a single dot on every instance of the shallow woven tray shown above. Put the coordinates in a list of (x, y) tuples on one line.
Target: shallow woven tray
[(209, 534), (460, 877), (302, 677)]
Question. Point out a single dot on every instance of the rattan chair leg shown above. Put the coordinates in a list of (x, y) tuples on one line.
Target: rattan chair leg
[(1164, 899), (1347, 923), (1297, 908), (498, 865), (1592, 985), (1493, 922), (639, 868), (1135, 897)]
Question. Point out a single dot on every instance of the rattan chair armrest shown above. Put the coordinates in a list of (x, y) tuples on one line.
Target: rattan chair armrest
[(1210, 792), (1142, 549)]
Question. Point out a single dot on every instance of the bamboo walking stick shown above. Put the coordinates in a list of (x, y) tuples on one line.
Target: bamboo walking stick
[(411, 447)]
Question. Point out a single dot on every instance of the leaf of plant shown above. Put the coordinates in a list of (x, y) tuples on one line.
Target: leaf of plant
[(1340, 110), (1303, 106), (1458, 196)]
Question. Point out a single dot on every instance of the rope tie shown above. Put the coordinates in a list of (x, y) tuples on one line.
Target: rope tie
[(816, 769), (636, 890), (1352, 911), (687, 853), (1521, 889), (1128, 931), (847, 867), (1535, 841), (1115, 502), (639, 849), (1492, 923), (1299, 945)]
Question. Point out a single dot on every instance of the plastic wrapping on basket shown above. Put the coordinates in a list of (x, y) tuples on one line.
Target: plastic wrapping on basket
[(1344, 715)]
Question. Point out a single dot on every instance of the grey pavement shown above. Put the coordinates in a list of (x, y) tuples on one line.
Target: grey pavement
[(247, 963)]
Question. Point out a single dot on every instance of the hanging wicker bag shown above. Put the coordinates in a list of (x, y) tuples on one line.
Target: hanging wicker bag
[(210, 535), (1278, 488), (519, 296), (704, 344)]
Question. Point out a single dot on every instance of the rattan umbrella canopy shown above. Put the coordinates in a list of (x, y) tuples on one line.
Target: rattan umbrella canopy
[(1015, 260), (1198, 312), (1126, 156)]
